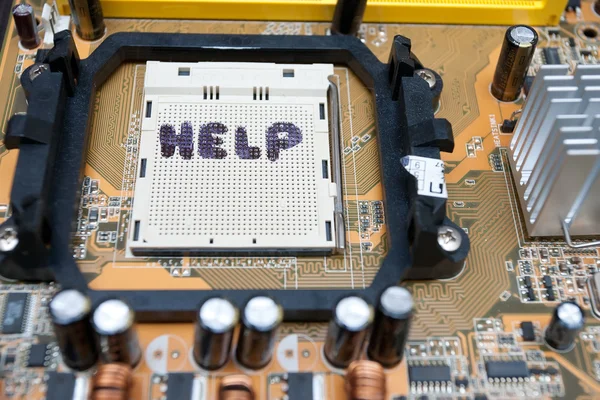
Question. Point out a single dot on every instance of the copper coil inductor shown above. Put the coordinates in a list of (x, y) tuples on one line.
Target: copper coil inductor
[(236, 387), (111, 382), (365, 380)]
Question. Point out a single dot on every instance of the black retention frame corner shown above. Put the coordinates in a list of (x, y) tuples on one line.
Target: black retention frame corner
[(391, 83)]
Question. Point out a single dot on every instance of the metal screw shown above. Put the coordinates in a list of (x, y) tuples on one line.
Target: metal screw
[(8, 239), (449, 238), (37, 71), (427, 76)]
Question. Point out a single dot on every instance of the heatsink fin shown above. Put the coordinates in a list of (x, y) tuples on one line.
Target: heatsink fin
[(555, 152)]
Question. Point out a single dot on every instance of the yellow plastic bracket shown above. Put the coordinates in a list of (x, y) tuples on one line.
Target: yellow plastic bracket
[(476, 12)]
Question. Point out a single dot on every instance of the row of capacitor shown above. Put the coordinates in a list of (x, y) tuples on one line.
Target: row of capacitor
[(107, 332), (87, 17)]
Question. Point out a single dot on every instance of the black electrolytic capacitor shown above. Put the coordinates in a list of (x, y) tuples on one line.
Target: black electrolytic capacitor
[(113, 320), (348, 16), (260, 319), (348, 330), (88, 18), (70, 313), (517, 51), (567, 320), (217, 319), (391, 326), (26, 25)]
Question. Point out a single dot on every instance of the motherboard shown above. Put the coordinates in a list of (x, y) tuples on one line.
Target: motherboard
[(201, 209)]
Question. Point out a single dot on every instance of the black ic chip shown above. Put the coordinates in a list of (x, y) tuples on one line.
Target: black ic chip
[(573, 5), (508, 126), (528, 331), (551, 371), (547, 281), (180, 386), (461, 381), (549, 288), (506, 369), (300, 386), (531, 294), (14, 313), (429, 373), (59, 386), (10, 359), (527, 84), (551, 55), (554, 32), (37, 355), (506, 340)]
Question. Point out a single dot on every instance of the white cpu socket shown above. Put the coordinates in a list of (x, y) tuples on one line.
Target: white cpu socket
[(234, 156)]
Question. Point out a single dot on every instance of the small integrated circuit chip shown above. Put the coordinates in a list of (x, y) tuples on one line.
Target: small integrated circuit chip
[(14, 313), (180, 386), (300, 386), (10, 359), (511, 369), (551, 55), (429, 373), (506, 340), (59, 385), (528, 331), (37, 355)]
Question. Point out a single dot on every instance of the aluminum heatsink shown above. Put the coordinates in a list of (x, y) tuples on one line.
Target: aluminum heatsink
[(555, 152)]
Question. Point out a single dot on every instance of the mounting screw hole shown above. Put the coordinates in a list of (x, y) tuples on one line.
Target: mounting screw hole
[(590, 32)]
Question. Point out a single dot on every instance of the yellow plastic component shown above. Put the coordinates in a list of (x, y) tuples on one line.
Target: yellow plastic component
[(478, 12)]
